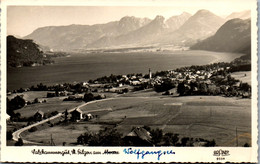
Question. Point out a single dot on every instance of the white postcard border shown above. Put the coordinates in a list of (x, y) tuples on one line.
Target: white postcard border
[(181, 154)]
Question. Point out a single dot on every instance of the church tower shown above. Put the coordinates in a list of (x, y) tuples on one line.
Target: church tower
[(150, 74)]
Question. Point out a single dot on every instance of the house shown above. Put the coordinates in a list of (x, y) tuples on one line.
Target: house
[(38, 116), (138, 137), (76, 115), (88, 116), (135, 82)]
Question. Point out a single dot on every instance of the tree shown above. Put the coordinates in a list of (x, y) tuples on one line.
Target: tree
[(106, 137), (9, 110), (9, 135), (166, 84), (36, 100), (170, 139), (245, 87), (78, 88), (17, 103), (66, 113), (16, 117), (88, 97), (184, 141), (181, 88), (193, 87), (147, 128), (203, 88), (157, 136), (19, 142), (125, 90), (210, 143)]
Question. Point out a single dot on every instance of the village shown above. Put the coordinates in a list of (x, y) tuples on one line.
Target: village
[(209, 80)]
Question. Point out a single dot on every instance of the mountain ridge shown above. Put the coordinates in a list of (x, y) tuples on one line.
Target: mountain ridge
[(180, 30)]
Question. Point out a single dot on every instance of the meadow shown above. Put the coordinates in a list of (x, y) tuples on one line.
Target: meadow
[(207, 117), (51, 105), (244, 76)]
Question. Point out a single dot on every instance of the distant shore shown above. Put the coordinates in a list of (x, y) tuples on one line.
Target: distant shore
[(83, 67)]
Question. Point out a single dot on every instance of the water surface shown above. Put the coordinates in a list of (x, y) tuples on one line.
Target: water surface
[(83, 67)]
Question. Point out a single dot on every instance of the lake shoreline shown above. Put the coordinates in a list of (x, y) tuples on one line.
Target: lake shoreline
[(80, 68)]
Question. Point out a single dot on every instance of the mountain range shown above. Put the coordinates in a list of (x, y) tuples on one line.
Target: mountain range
[(242, 15), (184, 30)]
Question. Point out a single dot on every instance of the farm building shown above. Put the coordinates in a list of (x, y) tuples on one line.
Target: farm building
[(76, 115), (38, 116), (88, 116), (138, 137)]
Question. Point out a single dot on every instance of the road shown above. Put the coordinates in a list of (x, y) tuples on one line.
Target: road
[(16, 134)]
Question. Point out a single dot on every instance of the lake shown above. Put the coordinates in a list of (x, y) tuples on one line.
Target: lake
[(83, 67)]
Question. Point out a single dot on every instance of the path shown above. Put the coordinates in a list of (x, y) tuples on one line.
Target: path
[(16, 134)]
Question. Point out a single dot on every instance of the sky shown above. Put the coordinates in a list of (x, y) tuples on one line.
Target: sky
[(23, 20)]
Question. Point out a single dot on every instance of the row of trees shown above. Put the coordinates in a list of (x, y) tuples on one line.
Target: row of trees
[(111, 137), (194, 88)]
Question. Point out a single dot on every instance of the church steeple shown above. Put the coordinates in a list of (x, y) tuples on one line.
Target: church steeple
[(150, 74)]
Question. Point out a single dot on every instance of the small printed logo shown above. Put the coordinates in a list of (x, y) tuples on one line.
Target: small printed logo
[(221, 152)]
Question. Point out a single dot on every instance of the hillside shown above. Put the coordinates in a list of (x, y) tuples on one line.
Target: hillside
[(24, 53), (179, 30), (233, 36)]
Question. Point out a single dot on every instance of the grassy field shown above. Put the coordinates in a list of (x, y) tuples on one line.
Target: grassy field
[(60, 133), (244, 76), (52, 104), (207, 117), (31, 95)]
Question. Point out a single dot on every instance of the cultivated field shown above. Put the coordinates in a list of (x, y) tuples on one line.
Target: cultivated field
[(207, 117)]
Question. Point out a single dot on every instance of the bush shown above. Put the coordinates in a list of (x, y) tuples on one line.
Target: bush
[(106, 137), (125, 90), (19, 142), (88, 97), (211, 143), (170, 139), (16, 103), (32, 129), (54, 113), (157, 136)]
